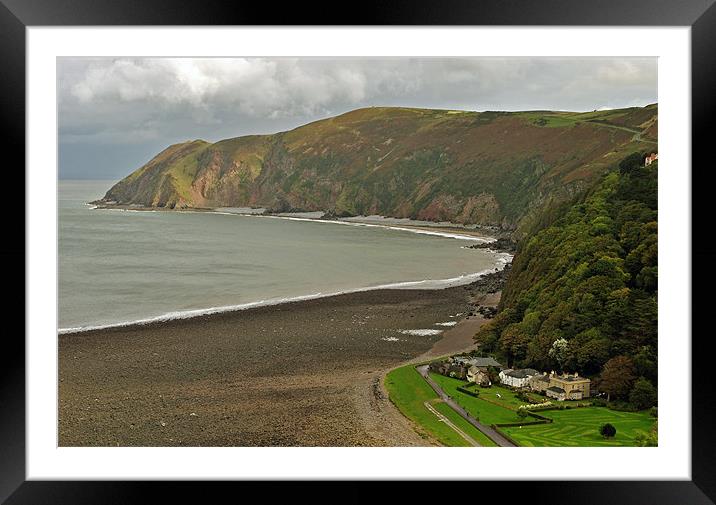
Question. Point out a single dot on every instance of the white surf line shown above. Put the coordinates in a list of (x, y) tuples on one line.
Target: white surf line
[(157, 211), (187, 314), (449, 423), (418, 231)]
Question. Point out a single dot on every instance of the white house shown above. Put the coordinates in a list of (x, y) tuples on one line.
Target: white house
[(517, 378)]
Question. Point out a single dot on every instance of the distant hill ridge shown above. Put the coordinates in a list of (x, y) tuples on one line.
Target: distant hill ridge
[(487, 168)]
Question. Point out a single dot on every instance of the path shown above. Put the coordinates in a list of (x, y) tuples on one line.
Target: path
[(637, 133), (490, 433), (447, 421)]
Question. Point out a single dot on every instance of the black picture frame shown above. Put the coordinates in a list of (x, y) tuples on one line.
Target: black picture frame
[(700, 15)]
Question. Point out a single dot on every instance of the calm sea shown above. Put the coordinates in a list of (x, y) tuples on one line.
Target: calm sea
[(121, 266)]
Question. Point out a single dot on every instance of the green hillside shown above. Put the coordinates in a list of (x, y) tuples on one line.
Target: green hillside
[(489, 168)]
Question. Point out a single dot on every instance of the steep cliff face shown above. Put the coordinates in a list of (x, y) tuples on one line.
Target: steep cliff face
[(488, 168)]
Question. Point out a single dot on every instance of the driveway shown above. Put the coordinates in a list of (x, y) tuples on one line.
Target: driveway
[(491, 433)]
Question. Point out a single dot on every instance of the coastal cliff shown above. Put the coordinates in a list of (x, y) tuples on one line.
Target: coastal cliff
[(500, 169)]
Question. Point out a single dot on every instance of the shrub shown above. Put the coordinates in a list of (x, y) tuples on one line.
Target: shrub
[(523, 396), (599, 402), (643, 395), (536, 406), (622, 406), (608, 430), (653, 412)]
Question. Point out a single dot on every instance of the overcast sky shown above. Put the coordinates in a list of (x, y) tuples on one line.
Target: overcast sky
[(116, 113)]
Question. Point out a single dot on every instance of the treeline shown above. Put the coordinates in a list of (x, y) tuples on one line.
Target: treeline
[(583, 289)]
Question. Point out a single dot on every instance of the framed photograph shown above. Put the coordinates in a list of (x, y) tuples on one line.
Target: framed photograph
[(339, 252)]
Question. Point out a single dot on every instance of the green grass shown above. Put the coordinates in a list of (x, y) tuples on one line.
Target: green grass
[(507, 398), (551, 119), (409, 391), (458, 421), (580, 428), (485, 412)]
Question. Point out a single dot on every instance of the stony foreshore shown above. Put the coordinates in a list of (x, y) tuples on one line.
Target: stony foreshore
[(301, 373)]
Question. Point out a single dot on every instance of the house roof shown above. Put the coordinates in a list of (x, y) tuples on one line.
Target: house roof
[(522, 373), (570, 378), (542, 377), (555, 389), (484, 362)]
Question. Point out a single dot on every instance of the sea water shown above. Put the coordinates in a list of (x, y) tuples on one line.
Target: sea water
[(118, 266)]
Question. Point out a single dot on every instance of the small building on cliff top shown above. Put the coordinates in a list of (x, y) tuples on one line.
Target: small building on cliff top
[(651, 159)]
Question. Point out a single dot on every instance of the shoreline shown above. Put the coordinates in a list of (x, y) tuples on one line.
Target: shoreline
[(437, 285), (482, 233)]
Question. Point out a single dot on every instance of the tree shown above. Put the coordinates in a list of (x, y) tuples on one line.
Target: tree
[(513, 343), (590, 351), (631, 162), (559, 351), (493, 373), (645, 363), (588, 273), (607, 430), (617, 377), (643, 395), (522, 413)]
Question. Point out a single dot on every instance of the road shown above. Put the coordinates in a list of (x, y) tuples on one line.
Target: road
[(491, 433)]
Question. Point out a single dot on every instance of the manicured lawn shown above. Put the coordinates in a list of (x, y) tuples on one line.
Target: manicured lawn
[(485, 412), (409, 392), (580, 428), (457, 419), (507, 397)]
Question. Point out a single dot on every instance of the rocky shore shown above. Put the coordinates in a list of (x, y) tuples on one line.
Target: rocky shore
[(298, 374), (502, 244)]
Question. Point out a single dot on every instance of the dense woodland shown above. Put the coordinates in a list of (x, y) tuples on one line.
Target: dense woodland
[(582, 294)]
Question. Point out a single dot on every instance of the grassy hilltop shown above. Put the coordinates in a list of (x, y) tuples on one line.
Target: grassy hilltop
[(488, 168)]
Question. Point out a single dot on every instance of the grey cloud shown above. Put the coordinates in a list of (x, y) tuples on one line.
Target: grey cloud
[(129, 105)]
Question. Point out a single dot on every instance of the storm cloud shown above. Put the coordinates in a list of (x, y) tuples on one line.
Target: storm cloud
[(115, 113)]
